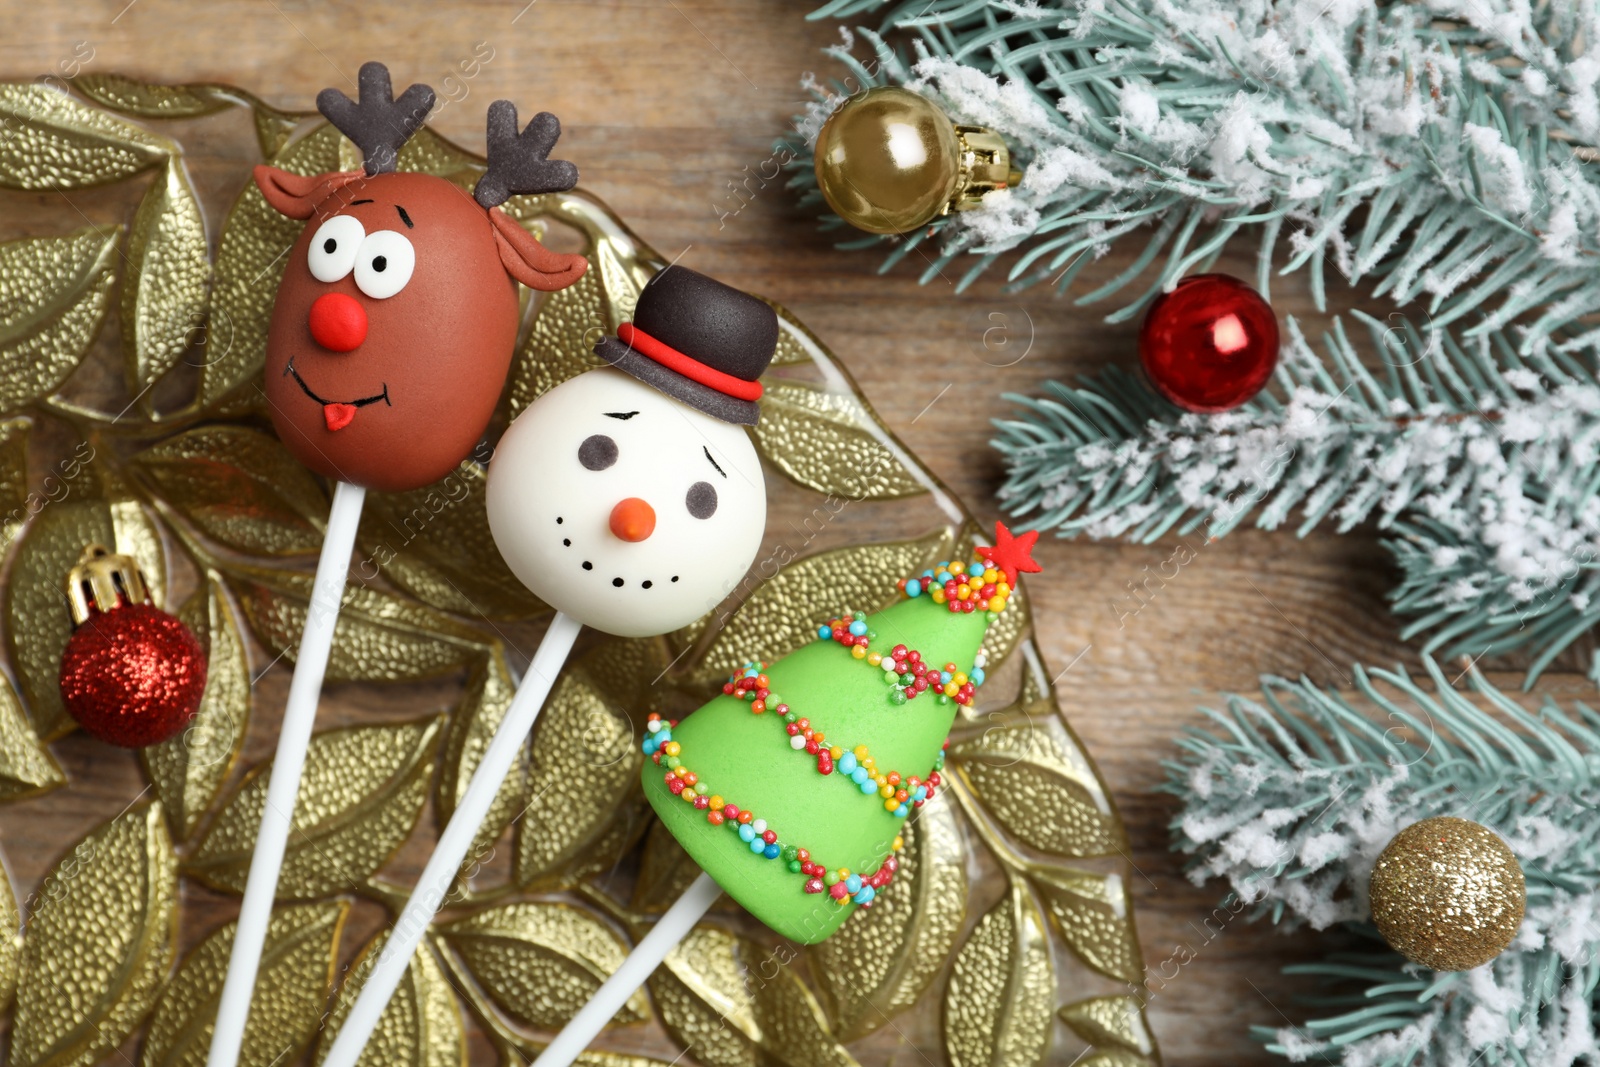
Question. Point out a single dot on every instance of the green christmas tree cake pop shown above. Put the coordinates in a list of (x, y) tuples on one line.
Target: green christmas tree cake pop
[(791, 788)]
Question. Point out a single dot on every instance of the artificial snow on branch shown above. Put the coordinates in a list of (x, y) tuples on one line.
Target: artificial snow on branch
[(1437, 149), (1291, 798), (1478, 460)]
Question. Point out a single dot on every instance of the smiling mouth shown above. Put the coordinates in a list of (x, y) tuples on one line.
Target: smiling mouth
[(588, 565), (336, 413)]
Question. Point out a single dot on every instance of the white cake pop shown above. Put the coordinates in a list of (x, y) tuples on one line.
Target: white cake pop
[(633, 513), (629, 499)]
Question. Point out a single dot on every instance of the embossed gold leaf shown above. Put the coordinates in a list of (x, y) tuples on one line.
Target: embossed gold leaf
[(820, 438), (188, 770), (736, 1004), (997, 1008), (291, 991), (240, 487), (561, 341), (614, 1059), (54, 142), (1116, 1021), (435, 544), (100, 940), (250, 264), (1039, 788), (628, 671), (631, 815), (14, 503), (152, 101), (379, 636), (701, 996), (1094, 915), (26, 767), (273, 127), (421, 1027), (428, 153), (665, 871), (483, 706), (584, 764), (10, 940), (164, 289), (362, 793), (53, 293), (38, 623), (790, 352), (1113, 1057), (880, 962), (781, 615), (542, 961)]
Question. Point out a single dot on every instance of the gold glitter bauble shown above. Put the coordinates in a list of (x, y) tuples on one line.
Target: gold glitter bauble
[(889, 160), (1448, 894)]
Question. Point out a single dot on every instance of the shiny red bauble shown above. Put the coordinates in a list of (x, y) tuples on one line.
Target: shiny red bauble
[(1210, 344), (132, 676)]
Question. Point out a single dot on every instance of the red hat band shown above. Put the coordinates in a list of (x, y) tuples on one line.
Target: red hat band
[(687, 365)]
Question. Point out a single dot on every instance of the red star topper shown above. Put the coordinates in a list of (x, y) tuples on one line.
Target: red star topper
[(1011, 554)]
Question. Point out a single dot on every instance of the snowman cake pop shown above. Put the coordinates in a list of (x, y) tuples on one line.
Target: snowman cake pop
[(630, 499)]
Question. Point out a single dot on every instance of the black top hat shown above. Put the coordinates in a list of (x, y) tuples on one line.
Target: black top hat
[(698, 341)]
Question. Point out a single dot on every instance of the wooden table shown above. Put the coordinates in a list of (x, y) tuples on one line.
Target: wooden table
[(672, 105)]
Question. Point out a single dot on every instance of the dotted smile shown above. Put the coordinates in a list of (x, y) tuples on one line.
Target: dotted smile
[(617, 582)]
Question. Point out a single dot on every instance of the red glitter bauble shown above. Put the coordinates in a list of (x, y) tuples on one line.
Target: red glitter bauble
[(1210, 344), (132, 676)]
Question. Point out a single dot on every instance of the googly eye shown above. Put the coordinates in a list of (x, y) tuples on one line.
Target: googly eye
[(333, 249), (385, 264)]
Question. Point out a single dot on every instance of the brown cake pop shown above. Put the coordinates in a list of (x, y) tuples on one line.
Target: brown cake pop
[(397, 314)]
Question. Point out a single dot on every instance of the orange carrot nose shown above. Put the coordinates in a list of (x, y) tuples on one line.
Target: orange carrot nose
[(632, 519)]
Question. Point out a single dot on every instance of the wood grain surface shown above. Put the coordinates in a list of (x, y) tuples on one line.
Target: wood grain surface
[(668, 106)]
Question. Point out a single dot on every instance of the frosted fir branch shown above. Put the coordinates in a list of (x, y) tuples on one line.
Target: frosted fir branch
[(1289, 799), (1438, 148), (1477, 459)]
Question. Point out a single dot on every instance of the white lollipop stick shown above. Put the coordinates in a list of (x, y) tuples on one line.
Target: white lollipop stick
[(283, 788), (473, 807), (634, 972), (628, 512)]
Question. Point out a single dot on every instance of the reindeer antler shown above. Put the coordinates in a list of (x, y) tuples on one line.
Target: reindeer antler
[(379, 124), (520, 163)]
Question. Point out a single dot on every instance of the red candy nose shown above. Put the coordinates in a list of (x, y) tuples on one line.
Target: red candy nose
[(632, 519), (338, 322)]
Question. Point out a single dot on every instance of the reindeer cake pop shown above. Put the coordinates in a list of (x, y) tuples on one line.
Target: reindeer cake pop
[(397, 314), (629, 498), (391, 337)]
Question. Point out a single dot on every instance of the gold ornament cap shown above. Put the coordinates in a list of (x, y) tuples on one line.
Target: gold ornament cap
[(889, 160), (1448, 894), (103, 580)]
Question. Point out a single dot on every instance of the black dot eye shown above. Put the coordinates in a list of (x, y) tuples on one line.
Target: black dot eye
[(329, 245), (597, 452), (701, 500), (380, 263)]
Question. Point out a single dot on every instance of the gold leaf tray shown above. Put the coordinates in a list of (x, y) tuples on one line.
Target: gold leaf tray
[(133, 315)]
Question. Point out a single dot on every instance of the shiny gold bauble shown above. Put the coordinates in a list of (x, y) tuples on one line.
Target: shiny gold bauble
[(1448, 894), (889, 160)]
